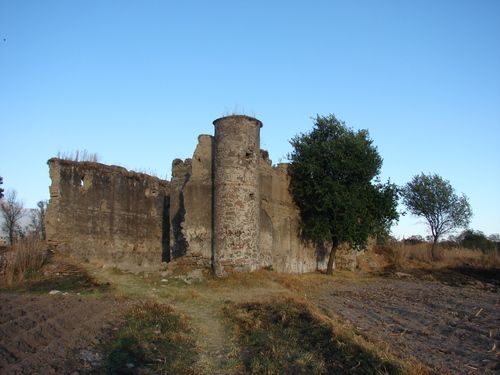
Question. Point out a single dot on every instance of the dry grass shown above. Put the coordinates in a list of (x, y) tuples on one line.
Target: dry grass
[(155, 339), (27, 256), (419, 256), (290, 335)]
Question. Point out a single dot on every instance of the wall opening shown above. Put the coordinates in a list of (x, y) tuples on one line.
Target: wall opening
[(180, 243), (166, 256)]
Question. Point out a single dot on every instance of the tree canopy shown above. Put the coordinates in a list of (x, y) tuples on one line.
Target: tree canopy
[(335, 183), (434, 199)]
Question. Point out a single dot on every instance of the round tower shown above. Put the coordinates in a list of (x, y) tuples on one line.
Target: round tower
[(236, 194)]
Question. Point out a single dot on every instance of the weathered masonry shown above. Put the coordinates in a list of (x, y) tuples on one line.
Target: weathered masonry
[(227, 208)]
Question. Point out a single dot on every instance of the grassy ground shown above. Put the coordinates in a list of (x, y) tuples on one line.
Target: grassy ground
[(258, 323), (154, 339), (286, 337)]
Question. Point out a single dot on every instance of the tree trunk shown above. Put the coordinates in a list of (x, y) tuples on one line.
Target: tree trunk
[(434, 253), (11, 236), (331, 259)]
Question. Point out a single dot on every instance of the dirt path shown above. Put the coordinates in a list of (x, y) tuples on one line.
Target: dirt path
[(202, 302), (217, 350), (443, 326), (212, 337), (51, 334)]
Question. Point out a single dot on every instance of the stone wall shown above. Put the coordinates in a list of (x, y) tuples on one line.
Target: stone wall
[(228, 207), (106, 212), (191, 206), (280, 242)]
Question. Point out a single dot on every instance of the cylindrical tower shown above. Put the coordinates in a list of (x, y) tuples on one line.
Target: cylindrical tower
[(236, 194)]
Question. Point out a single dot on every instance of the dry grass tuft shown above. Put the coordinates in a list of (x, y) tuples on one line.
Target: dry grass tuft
[(79, 155)]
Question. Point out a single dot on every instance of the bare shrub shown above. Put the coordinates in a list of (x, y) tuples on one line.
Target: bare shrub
[(12, 211), (147, 171), (28, 255)]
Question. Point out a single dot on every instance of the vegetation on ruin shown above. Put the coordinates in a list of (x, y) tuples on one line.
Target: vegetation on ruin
[(434, 199), (335, 183), (79, 155)]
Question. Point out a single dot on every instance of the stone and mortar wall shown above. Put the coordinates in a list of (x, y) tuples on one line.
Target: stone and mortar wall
[(280, 242), (191, 206), (106, 212), (236, 198), (227, 207)]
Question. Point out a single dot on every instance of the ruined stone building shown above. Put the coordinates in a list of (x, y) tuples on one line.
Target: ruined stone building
[(228, 208)]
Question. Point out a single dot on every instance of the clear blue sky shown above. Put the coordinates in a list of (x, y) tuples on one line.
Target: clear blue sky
[(137, 81)]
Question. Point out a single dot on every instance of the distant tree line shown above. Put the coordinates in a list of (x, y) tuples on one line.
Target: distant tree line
[(469, 239)]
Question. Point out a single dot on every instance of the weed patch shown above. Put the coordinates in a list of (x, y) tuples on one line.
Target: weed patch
[(286, 338), (73, 283), (59, 276), (153, 340)]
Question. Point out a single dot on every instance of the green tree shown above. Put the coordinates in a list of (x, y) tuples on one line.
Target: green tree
[(335, 183), (434, 199)]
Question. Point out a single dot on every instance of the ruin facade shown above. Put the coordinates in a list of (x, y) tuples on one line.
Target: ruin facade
[(227, 208)]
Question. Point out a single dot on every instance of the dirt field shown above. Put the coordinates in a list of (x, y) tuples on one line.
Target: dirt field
[(51, 334), (448, 320)]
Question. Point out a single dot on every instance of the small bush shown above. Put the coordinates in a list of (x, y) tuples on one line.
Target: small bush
[(476, 240)]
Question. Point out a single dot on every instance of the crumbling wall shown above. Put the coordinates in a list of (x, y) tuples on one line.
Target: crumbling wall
[(280, 242), (106, 212), (227, 207), (191, 205)]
